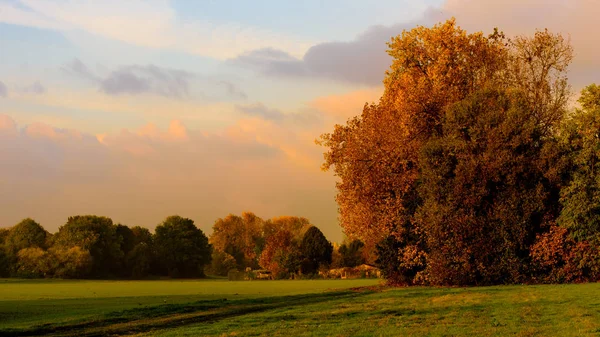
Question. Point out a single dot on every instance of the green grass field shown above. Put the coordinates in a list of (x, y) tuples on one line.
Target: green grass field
[(293, 308)]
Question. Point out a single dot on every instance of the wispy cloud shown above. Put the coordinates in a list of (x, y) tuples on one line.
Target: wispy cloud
[(233, 90), (147, 79), (362, 61), (155, 24), (79, 69), (260, 110), (35, 88), (151, 79)]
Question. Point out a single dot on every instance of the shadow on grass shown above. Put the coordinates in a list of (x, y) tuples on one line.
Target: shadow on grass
[(145, 319)]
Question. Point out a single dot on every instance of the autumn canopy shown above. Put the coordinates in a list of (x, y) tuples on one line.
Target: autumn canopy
[(472, 168)]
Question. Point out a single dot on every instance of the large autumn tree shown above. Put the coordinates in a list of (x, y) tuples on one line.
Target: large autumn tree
[(485, 190), (444, 84), (376, 155)]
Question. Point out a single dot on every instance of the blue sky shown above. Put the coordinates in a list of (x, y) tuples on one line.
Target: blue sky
[(318, 20), (141, 109)]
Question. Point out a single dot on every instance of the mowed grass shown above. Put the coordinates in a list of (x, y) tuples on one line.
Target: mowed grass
[(294, 308), (27, 303)]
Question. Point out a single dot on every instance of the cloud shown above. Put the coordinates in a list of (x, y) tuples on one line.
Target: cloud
[(152, 79), (36, 88), (136, 79), (362, 61), (260, 110), (155, 24), (271, 62), (147, 79), (7, 125), (233, 91), (79, 69), (3, 90), (265, 162), (140, 176)]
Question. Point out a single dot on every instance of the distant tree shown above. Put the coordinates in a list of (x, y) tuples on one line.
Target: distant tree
[(25, 234), (221, 263), (139, 260), (32, 262), (141, 235), (127, 238), (295, 225), (315, 249), (240, 237), (127, 243), (71, 262), (182, 249), (336, 257), (95, 234), (281, 255), (351, 253), (4, 263), (3, 235)]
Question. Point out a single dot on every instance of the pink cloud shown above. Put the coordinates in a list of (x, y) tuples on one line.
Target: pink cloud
[(138, 177), (7, 125)]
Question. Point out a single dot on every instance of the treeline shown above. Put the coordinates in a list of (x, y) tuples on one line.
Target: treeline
[(94, 247), (285, 246), (472, 168)]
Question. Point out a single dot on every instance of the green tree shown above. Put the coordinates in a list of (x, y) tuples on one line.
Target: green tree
[(25, 234), (70, 263), (221, 263), (141, 235), (3, 235), (351, 253), (485, 190), (32, 262), (139, 260), (95, 234), (580, 198), (182, 249), (315, 250)]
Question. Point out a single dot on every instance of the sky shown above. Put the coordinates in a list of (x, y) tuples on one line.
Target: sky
[(142, 109)]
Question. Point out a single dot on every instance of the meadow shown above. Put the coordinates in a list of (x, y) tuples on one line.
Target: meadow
[(293, 308)]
